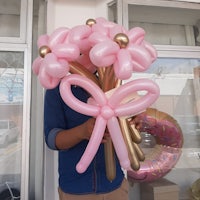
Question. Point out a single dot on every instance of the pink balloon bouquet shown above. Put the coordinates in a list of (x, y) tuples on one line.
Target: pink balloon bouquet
[(99, 45)]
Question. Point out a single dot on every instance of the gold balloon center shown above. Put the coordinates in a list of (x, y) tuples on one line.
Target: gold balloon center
[(121, 39), (44, 50), (90, 22)]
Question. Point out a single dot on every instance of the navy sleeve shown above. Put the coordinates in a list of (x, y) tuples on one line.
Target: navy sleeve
[(54, 118)]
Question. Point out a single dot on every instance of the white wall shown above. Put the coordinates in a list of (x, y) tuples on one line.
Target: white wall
[(71, 13)]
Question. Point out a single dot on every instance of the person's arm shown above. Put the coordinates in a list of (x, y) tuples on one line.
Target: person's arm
[(68, 138), (58, 135)]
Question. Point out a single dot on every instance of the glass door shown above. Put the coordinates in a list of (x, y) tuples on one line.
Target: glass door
[(11, 122), (15, 98)]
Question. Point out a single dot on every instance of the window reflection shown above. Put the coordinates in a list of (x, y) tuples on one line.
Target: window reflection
[(11, 116), (10, 18), (167, 25)]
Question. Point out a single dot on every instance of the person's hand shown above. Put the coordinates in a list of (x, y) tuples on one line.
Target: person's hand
[(136, 121), (106, 136), (88, 127)]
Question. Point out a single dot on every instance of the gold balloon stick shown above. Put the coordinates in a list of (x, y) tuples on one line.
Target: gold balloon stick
[(135, 134), (110, 160), (139, 152), (108, 146), (107, 85), (135, 164), (100, 71)]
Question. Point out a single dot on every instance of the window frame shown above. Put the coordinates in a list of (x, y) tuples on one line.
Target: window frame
[(171, 51)]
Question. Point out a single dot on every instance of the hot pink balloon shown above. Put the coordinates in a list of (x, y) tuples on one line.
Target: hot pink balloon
[(106, 110)]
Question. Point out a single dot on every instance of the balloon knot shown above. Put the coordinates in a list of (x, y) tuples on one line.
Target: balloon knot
[(107, 112)]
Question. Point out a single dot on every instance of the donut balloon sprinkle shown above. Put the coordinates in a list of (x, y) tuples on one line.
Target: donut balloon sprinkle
[(165, 154)]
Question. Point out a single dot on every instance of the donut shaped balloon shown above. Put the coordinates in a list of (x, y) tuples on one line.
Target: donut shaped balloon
[(166, 152)]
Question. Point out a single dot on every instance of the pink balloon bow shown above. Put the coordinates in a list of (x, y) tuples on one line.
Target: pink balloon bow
[(106, 110)]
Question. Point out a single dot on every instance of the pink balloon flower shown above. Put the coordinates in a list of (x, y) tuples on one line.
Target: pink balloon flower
[(55, 53), (134, 55)]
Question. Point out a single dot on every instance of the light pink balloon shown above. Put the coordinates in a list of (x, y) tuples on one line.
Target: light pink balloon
[(118, 142), (79, 35), (104, 54), (96, 38), (55, 67), (46, 80), (36, 65), (70, 52), (151, 49), (55, 61), (93, 145), (138, 55), (136, 35), (99, 28), (58, 37), (105, 23), (106, 110), (141, 58), (115, 30), (76, 104), (42, 40), (85, 61), (123, 67), (136, 105)]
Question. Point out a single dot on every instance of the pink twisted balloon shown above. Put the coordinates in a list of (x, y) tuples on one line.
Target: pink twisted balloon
[(106, 110)]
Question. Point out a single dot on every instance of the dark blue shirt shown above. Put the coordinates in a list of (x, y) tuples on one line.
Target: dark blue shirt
[(58, 116)]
